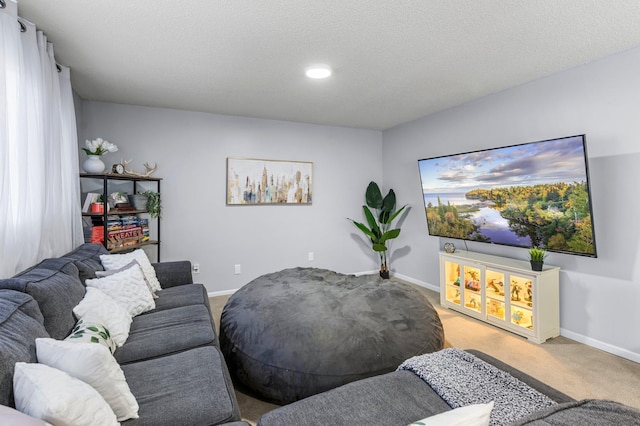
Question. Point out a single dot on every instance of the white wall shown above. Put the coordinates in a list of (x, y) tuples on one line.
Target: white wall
[(599, 297), (191, 150)]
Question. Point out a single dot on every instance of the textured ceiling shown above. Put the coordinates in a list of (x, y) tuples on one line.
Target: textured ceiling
[(393, 61)]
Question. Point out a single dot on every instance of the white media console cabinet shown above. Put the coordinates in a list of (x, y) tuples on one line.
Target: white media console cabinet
[(503, 292)]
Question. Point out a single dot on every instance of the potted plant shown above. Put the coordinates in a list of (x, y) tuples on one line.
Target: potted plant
[(536, 258), (98, 205), (153, 203), (379, 230)]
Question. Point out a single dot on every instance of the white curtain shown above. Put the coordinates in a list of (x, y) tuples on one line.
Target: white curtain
[(39, 185)]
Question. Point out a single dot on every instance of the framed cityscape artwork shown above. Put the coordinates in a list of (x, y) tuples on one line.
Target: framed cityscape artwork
[(253, 181)]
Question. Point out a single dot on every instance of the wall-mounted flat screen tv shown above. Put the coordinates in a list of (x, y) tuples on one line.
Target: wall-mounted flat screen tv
[(532, 194)]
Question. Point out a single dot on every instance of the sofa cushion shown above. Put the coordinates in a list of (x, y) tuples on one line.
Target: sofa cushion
[(199, 393), (20, 325), (87, 259), (397, 398), (182, 295), (55, 285), (585, 412), (165, 332)]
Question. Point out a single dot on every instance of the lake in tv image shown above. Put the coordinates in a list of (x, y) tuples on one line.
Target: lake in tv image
[(534, 194)]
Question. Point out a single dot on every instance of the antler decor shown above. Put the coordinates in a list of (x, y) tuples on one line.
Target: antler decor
[(146, 166)]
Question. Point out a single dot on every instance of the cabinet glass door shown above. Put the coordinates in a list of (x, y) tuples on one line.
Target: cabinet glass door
[(452, 282), (472, 288), (521, 300), (494, 293)]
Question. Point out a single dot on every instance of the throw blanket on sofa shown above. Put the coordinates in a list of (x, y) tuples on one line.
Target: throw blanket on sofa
[(462, 379)]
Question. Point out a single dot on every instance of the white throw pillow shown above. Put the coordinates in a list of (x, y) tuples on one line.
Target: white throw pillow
[(113, 316), (94, 365), (55, 397), (127, 288), (13, 417), (101, 274), (469, 415), (117, 261), (92, 330)]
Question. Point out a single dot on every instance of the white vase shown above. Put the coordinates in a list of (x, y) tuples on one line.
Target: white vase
[(93, 164)]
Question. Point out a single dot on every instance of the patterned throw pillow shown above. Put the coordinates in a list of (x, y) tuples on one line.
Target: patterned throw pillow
[(128, 289), (101, 274), (96, 304), (117, 261), (92, 332)]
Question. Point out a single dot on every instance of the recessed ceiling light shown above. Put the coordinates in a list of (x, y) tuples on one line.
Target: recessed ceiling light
[(318, 71)]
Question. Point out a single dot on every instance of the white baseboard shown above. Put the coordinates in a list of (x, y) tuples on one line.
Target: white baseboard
[(357, 274), (615, 350), (426, 285), (222, 293)]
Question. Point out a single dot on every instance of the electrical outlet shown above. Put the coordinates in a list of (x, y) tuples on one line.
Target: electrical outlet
[(238, 269), (310, 256), (196, 268)]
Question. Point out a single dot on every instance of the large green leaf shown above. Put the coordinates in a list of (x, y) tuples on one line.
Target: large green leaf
[(396, 214), (371, 220), (379, 247), (389, 235), (373, 196), (389, 202), (363, 228)]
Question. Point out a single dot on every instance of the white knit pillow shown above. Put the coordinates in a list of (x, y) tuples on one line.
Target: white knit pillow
[(117, 261), (127, 288), (54, 396), (94, 365), (97, 304), (101, 274)]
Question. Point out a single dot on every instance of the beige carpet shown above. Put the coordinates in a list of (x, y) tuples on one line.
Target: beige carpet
[(578, 370)]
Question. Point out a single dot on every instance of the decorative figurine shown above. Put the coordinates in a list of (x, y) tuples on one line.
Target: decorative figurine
[(497, 287), (515, 291), (517, 316), (472, 283)]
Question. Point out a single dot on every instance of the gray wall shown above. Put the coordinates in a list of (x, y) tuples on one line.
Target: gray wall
[(599, 297), (191, 150)]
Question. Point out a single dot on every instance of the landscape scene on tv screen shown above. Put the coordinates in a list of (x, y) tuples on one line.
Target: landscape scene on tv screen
[(534, 194)]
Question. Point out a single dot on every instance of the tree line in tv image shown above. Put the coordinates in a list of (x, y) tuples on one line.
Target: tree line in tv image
[(554, 216)]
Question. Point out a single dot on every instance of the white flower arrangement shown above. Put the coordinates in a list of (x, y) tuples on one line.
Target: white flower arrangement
[(99, 147)]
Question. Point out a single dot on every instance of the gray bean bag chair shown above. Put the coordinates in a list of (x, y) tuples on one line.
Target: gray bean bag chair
[(298, 332)]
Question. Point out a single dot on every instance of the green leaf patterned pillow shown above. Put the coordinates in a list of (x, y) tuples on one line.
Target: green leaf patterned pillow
[(87, 330)]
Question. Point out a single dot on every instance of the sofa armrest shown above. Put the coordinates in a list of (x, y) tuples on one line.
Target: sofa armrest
[(171, 274), (541, 387)]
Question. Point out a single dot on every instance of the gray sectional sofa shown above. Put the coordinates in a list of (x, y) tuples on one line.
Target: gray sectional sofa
[(402, 397), (171, 359)]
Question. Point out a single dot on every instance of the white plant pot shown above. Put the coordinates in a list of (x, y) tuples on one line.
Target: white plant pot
[(93, 164)]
